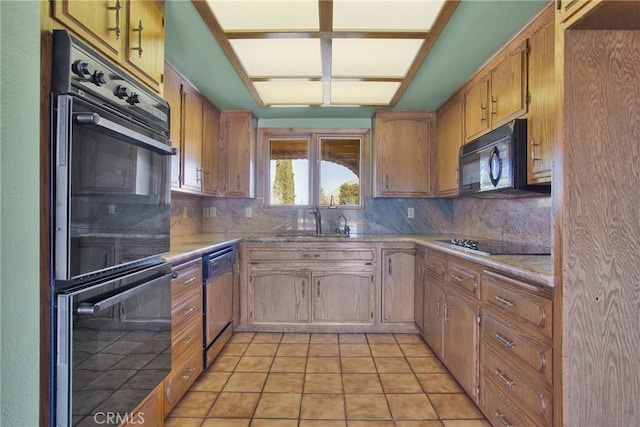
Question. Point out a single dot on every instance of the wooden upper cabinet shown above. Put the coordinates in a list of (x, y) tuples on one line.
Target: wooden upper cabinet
[(402, 153), (239, 148), (541, 124), (192, 139), (145, 40), (449, 139), (173, 95), (508, 87), (211, 150), (499, 96), (476, 109), (129, 32)]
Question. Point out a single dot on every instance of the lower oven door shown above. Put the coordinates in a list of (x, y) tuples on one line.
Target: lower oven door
[(112, 190), (113, 345)]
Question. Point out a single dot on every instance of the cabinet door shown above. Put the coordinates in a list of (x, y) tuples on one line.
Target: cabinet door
[(418, 289), (239, 143), (403, 154), (449, 138), (211, 162), (508, 88), (101, 23), (434, 300), (541, 124), (192, 139), (173, 95), (461, 341), (145, 40), (476, 109), (347, 297), (279, 296), (397, 285)]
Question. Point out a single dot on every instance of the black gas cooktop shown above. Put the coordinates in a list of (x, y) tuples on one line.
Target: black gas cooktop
[(496, 247)]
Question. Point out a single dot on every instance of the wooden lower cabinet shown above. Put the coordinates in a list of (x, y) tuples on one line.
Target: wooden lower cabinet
[(419, 288), (149, 413), (279, 296), (397, 279), (460, 340), (500, 411), (433, 314), (186, 332), (343, 297)]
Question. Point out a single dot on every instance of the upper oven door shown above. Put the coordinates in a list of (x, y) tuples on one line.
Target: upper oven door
[(112, 190)]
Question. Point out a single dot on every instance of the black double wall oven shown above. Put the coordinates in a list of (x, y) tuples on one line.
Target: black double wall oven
[(110, 157)]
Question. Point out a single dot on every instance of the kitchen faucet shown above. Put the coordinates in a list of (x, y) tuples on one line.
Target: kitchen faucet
[(346, 229), (316, 213)]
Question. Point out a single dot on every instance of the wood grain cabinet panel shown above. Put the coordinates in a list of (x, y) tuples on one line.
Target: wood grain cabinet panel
[(541, 120), (145, 40), (449, 139), (419, 288), (239, 148), (212, 179), (149, 413), (501, 411), (402, 153), (343, 297), (464, 277), (279, 296), (180, 379), (173, 95), (476, 109), (434, 300), (192, 139), (398, 277), (187, 279)]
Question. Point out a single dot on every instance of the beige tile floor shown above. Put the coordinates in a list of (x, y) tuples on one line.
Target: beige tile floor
[(326, 380)]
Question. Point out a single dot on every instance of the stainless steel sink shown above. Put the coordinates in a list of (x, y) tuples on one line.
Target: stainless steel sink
[(313, 236)]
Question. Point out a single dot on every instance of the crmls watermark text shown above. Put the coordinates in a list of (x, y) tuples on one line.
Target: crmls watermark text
[(117, 418)]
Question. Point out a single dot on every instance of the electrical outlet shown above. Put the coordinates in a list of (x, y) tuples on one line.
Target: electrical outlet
[(411, 213), (185, 212), (248, 211), (213, 212)]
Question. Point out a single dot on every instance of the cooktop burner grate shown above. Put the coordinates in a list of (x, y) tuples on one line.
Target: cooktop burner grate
[(496, 247)]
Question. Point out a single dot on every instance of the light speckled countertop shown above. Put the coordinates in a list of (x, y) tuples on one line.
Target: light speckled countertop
[(534, 268)]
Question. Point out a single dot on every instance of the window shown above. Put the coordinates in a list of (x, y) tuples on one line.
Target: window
[(307, 168)]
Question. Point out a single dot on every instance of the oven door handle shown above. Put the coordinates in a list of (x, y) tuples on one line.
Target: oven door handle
[(92, 308), (136, 137)]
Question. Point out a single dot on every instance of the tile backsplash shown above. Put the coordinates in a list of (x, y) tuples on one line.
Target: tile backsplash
[(525, 220), (380, 216)]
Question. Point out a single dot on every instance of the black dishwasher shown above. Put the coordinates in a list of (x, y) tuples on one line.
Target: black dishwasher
[(218, 300)]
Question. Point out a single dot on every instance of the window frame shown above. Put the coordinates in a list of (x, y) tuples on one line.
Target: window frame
[(314, 136)]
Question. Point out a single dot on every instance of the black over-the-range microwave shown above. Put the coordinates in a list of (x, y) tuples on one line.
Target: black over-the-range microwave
[(495, 164)]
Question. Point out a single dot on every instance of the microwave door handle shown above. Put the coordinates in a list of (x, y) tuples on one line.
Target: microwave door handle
[(495, 177), (137, 138), (92, 308)]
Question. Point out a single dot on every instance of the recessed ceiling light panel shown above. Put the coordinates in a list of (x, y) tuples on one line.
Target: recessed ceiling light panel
[(279, 57), (290, 92), (363, 93), (373, 57), (266, 15), (385, 15)]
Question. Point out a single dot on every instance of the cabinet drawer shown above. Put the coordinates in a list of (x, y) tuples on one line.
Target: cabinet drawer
[(180, 379), (186, 310), (311, 255), (524, 302), (187, 279), (527, 395), (520, 348), (436, 265), (187, 341), (498, 409), (463, 278)]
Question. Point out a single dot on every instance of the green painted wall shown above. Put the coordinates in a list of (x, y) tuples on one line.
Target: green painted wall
[(19, 212)]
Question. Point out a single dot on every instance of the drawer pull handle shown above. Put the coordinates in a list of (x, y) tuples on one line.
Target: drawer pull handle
[(190, 281), (505, 302), (188, 373), (504, 378), (457, 279), (505, 341), (189, 311), (432, 266), (188, 340), (503, 420)]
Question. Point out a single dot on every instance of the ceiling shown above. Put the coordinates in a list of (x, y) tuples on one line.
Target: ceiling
[(474, 32)]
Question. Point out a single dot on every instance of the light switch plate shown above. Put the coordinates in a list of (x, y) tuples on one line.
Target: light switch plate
[(411, 213), (248, 211)]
